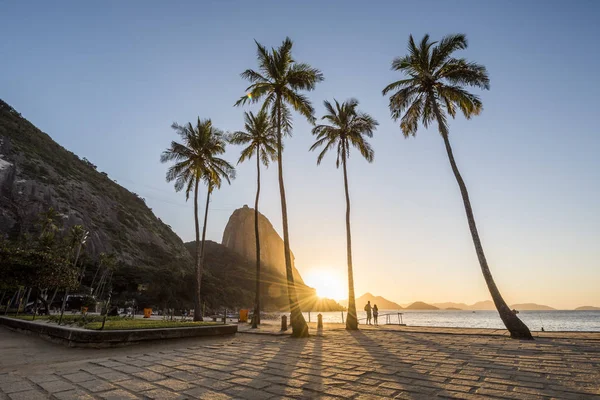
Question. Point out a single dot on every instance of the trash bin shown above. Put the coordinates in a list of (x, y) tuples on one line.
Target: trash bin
[(147, 312), (243, 315)]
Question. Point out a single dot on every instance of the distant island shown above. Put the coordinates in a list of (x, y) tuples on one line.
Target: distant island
[(531, 307), (587, 308), (419, 305)]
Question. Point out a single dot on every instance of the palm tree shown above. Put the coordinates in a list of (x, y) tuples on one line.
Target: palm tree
[(196, 159), (347, 127), (434, 88), (278, 82), (260, 139)]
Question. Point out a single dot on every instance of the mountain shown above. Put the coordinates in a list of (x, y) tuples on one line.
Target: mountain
[(240, 237), (531, 307), (451, 305), (486, 305), (419, 305), (587, 308), (36, 173), (382, 303)]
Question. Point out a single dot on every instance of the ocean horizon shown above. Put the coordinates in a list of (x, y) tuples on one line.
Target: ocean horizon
[(550, 320)]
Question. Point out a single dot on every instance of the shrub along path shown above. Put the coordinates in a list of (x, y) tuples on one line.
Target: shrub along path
[(368, 364)]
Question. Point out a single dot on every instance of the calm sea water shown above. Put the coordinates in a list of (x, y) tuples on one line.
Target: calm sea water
[(535, 320)]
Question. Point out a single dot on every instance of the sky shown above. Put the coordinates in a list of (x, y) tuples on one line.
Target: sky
[(107, 79)]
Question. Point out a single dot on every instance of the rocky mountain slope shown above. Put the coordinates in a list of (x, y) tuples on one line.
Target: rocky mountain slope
[(239, 236), (229, 280), (36, 173)]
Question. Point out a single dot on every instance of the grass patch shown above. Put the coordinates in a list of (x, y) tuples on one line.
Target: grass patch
[(127, 324), (27, 317)]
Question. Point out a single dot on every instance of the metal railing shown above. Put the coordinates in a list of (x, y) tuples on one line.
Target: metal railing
[(388, 318)]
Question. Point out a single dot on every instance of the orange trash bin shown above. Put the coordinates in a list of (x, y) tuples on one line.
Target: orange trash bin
[(147, 312), (244, 315)]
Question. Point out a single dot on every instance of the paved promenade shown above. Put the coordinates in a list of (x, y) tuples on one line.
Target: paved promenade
[(373, 363)]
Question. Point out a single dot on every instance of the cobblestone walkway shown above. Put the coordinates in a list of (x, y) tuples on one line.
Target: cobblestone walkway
[(362, 365)]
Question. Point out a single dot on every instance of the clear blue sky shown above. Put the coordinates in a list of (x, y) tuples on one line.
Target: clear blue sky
[(107, 79)]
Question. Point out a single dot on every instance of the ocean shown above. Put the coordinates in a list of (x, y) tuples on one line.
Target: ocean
[(535, 320)]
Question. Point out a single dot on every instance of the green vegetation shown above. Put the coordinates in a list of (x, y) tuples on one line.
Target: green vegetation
[(434, 89), (197, 159), (347, 128), (94, 322), (278, 83), (259, 137), (127, 324)]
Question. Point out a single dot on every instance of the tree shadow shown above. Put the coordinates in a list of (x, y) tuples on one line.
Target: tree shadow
[(502, 365), (280, 369), (393, 370)]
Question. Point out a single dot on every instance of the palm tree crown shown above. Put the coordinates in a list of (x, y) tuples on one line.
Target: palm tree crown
[(196, 157), (434, 84), (259, 137), (348, 127), (278, 81)]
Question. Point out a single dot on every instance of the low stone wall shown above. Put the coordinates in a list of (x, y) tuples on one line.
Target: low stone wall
[(109, 338)]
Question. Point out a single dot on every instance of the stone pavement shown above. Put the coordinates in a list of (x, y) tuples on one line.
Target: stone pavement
[(368, 364)]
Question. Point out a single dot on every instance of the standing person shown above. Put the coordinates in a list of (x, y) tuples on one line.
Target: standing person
[(368, 310), (375, 314)]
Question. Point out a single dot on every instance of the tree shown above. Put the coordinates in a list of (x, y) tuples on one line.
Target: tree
[(196, 159), (347, 127), (433, 88), (36, 268), (278, 82), (77, 238), (48, 225), (258, 138)]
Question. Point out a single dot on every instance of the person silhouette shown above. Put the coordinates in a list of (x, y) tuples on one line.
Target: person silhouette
[(375, 314), (368, 310)]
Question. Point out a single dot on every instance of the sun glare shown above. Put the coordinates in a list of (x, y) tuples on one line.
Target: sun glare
[(327, 282)]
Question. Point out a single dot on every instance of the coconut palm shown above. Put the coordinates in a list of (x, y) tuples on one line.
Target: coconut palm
[(258, 138), (277, 83), (196, 158), (347, 128), (433, 88)]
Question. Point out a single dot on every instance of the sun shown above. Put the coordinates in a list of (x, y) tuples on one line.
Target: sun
[(327, 282)]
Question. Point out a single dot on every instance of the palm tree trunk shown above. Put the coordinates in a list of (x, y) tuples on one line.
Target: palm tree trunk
[(299, 326), (256, 318), (197, 310), (515, 326), (351, 319), (201, 263)]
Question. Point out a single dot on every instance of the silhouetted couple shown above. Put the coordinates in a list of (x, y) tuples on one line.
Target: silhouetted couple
[(372, 310)]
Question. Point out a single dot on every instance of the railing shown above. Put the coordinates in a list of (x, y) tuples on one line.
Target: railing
[(388, 318)]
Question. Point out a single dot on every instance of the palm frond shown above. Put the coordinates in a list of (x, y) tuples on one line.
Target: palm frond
[(347, 125), (300, 103), (303, 77), (448, 45), (433, 86)]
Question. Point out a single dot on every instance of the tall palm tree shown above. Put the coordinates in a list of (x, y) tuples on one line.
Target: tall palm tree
[(433, 88), (258, 138), (196, 158), (347, 127), (278, 82)]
